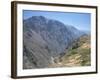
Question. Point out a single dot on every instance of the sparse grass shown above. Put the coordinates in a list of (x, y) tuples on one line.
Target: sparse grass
[(73, 51), (85, 57)]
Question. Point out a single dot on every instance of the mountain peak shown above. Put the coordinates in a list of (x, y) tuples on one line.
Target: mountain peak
[(45, 38)]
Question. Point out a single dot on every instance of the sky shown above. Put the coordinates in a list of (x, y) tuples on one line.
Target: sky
[(81, 21)]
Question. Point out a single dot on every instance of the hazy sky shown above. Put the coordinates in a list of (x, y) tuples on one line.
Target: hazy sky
[(79, 20)]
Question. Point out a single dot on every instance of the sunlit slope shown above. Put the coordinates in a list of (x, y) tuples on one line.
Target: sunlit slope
[(79, 54)]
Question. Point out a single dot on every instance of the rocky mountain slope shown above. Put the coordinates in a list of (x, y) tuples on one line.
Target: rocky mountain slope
[(77, 55), (44, 39)]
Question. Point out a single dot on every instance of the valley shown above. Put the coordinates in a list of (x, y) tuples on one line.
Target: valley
[(49, 43)]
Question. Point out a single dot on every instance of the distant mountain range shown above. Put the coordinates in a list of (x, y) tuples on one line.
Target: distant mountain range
[(44, 39)]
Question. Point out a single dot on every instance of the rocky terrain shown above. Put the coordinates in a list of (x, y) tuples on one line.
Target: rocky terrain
[(45, 40), (77, 55)]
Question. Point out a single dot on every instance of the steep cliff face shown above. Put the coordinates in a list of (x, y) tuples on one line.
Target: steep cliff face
[(44, 39)]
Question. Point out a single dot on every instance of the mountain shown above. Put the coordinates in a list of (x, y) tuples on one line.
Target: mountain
[(77, 55), (87, 32), (44, 39)]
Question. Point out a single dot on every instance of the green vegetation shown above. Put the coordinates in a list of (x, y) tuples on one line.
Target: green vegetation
[(85, 57)]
